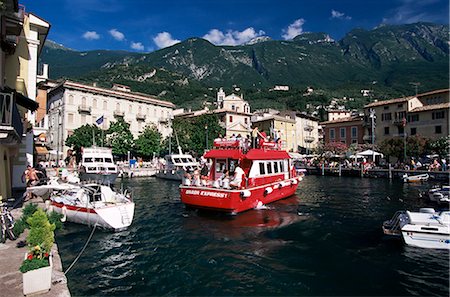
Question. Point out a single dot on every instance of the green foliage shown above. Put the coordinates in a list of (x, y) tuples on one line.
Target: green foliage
[(41, 231), (440, 146), (415, 145), (192, 132), (19, 226), (32, 264), (28, 211), (149, 142), (392, 147), (84, 137), (55, 219), (120, 137)]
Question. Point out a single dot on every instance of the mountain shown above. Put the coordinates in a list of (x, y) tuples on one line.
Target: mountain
[(386, 59)]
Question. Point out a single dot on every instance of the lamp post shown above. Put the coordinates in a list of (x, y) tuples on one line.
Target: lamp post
[(372, 117), (57, 136), (404, 138), (206, 136)]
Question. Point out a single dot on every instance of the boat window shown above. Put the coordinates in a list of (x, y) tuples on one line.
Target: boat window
[(262, 169), (102, 168), (92, 168), (281, 166), (88, 160), (220, 165), (184, 160), (269, 167), (275, 167), (176, 160), (98, 159), (108, 160), (111, 168), (429, 229)]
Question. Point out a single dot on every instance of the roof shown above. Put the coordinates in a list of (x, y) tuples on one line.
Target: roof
[(390, 101), (110, 92), (445, 105), (343, 120), (224, 154), (275, 118), (258, 154)]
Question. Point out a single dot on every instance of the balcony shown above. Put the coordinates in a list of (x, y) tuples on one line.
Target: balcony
[(163, 120), (119, 113), (399, 122), (11, 127), (140, 117), (309, 139), (84, 109)]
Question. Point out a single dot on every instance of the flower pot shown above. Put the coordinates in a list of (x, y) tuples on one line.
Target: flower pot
[(38, 280)]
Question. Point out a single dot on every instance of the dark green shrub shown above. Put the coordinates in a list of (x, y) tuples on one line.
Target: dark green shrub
[(55, 218), (19, 226)]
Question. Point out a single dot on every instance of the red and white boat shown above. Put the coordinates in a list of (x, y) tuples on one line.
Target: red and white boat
[(269, 176)]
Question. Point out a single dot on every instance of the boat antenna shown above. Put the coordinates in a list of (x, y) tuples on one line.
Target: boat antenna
[(178, 143)]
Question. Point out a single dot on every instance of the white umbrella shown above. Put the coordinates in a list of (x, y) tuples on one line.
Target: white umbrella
[(369, 153)]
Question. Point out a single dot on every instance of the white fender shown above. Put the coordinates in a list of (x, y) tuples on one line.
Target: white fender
[(48, 203), (246, 193), (294, 182), (165, 171), (300, 178), (268, 190), (64, 213), (173, 172)]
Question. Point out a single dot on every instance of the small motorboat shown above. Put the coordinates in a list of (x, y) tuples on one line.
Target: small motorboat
[(440, 194), (88, 204), (426, 228), (415, 178)]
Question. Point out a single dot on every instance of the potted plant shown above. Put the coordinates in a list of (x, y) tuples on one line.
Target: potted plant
[(37, 267)]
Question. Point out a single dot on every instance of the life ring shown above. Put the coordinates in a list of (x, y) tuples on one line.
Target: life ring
[(64, 213)]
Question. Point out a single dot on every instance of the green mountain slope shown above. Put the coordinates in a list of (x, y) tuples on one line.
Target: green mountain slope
[(386, 59)]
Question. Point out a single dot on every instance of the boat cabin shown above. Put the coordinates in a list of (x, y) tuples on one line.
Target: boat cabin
[(180, 161), (95, 160), (261, 166)]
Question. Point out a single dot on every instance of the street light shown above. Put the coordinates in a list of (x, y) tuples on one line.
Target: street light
[(373, 117), (206, 136), (57, 137)]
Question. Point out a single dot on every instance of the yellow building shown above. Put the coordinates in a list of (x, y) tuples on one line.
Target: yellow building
[(425, 114), (22, 38)]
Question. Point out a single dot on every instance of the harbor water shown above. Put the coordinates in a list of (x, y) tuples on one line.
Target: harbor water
[(325, 240)]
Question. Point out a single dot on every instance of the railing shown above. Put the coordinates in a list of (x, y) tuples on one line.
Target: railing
[(398, 122), (118, 113), (9, 115), (309, 138), (140, 117), (83, 108)]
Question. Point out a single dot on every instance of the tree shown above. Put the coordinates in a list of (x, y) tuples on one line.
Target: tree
[(415, 145), (120, 138), (392, 147), (85, 137), (440, 146), (148, 142), (193, 134)]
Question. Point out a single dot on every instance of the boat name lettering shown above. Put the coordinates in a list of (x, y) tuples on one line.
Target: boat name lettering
[(207, 193)]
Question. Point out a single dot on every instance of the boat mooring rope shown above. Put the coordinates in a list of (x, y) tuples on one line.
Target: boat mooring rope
[(82, 250)]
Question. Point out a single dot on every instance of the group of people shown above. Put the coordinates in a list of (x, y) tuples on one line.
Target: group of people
[(201, 178)]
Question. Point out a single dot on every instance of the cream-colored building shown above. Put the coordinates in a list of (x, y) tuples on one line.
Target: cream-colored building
[(22, 39), (71, 105), (425, 114)]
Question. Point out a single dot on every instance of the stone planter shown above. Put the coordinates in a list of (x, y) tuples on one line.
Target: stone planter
[(38, 280)]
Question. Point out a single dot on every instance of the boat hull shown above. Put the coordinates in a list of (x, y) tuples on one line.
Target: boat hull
[(171, 175), (426, 240), (117, 217), (236, 201), (104, 179)]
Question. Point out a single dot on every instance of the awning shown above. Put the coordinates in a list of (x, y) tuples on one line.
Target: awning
[(41, 150), (23, 100), (256, 154), (224, 154)]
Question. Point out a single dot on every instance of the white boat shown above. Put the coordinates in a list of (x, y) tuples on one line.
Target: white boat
[(175, 165), (97, 165), (439, 195), (426, 228), (415, 178), (88, 204)]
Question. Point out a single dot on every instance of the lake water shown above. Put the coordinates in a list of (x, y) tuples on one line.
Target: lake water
[(325, 240)]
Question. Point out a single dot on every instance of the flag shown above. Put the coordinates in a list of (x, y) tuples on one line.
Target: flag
[(99, 121)]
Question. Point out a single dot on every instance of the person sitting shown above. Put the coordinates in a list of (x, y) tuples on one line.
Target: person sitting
[(196, 178), (238, 176), (187, 178), (225, 179), (204, 173)]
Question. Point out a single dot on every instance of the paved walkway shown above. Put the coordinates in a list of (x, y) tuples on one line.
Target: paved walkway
[(11, 258)]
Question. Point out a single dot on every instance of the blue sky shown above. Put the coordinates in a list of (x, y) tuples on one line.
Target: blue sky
[(145, 26)]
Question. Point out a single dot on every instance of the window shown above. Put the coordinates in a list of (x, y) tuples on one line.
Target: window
[(262, 169), (94, 103), (233, 107), (70, 118), (105, 105), (386, 130), (332, 136), (231, 119), (281, 166), (400, 105), (413, 118), (246, 121), (438, 129), (70, 99), (386, 116), (401, 130), (83, 101), (386, 107), (413, 131), (354, 140), (269, 167), (354, 132), (342, 133), (343, 141), (275, 167), (400, 115), (438, 115)]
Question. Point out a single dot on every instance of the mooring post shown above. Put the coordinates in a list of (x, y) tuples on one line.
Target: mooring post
[(323, 169), (340, 169), (390, 171)]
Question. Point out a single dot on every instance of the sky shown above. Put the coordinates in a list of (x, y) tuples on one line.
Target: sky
[(148, 25)]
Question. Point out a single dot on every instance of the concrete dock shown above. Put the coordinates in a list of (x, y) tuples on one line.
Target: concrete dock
[(11, 258)]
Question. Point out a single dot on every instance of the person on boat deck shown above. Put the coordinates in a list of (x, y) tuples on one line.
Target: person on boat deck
[(225, 179), (187, 178), (204, 172), (255, 137), (196, 178), (238, 175)]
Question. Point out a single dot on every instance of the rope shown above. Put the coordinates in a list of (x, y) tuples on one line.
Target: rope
[(82, 250)]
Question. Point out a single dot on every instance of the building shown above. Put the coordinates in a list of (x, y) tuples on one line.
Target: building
[(71, 105), (22, 38), (338, 114), (347, 130), (233, 113), (283, 126), (425, 114), (306, 131)]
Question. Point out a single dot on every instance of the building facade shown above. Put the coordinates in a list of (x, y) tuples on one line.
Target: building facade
[(345, 130), (425, 114), (71, 105)]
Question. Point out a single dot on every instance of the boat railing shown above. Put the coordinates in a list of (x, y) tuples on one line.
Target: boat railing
[(392, 227), (245, 145)]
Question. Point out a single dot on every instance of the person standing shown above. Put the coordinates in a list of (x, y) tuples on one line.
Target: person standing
[(254, 137), (238, 176)]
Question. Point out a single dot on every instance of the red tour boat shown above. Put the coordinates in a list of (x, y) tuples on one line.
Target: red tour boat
[(267, 174)]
